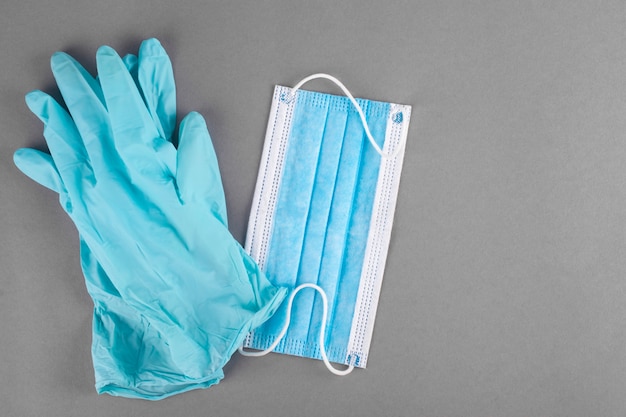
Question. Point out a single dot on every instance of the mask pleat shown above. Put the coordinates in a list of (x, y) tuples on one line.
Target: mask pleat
[(338, 222), (342, 304), (321, 199), (294, 198)]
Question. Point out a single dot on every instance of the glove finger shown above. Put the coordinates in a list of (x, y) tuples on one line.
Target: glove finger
[(159, 112), (156, 79), (132, 65), (78, 71), (62, 136), (197, 175), (131, 62), (84, 99), (130, 121), (40, 167)]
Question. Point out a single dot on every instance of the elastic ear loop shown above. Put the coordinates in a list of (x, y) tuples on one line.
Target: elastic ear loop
[(322, 331), (358, 109)]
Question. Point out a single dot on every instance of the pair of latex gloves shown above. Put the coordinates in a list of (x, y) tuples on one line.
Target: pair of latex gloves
[(174, 293)]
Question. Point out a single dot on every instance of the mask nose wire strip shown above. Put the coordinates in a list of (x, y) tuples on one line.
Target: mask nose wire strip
[(358, 109), (286, 326)]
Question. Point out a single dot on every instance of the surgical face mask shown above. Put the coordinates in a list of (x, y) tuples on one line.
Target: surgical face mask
[(321, 218)]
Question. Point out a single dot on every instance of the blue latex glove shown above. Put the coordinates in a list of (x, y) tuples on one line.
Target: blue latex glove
[(156, 246), (130, 357)]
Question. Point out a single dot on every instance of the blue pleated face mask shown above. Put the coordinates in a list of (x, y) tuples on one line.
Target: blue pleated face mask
[(322, 217)]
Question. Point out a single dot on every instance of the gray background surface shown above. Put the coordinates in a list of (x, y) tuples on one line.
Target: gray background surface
[(504, 293)]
